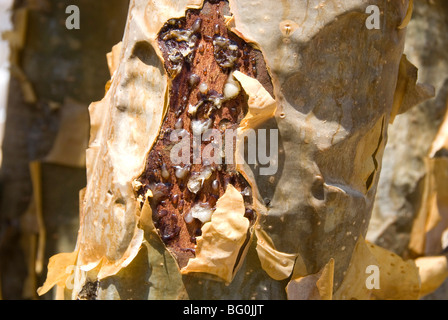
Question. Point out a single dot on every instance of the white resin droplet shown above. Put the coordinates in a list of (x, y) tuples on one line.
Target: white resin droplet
[(231, 88), (215, 185), (181, 173), (203, 88), (202, 212), (179, 124), (196, 180), (188, 217), (165, 172), (199, 127)]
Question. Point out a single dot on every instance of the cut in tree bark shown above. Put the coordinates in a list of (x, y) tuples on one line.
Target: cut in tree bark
[(311, 72)]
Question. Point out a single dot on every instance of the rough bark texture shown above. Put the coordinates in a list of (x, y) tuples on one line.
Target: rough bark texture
[(336, 85)]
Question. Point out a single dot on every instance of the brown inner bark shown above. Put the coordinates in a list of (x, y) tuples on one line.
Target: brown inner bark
[(200, 45)]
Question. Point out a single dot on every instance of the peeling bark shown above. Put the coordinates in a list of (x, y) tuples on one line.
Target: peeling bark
[(55, 74), (313, 72), (409, 216)]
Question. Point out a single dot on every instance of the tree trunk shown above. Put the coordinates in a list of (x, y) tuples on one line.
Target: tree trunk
[(405, 197), (56, 73), (171, 210)]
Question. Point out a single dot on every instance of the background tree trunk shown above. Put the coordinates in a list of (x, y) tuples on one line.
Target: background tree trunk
[(401, 194), (62, 71)]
